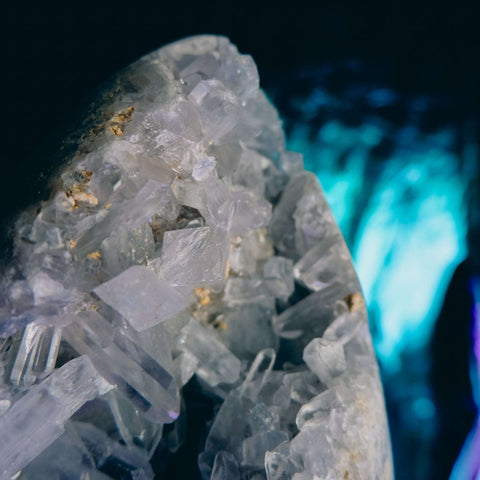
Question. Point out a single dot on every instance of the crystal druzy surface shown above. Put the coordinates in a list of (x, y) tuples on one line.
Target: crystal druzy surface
[(182, 243)]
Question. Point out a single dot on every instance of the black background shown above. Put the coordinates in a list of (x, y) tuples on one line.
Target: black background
[(54, 55)]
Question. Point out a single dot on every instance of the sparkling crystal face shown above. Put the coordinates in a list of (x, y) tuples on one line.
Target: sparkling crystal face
[(186, 254)]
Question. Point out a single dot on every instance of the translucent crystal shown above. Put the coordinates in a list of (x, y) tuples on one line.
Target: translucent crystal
[(126, 247), (278, 465), (37, 353), (216, 364), (225, 466), (325, 358), (186, 365), (195, 257), (37, 419), (302, 217), (262, 419), (325, 263), (250, 212), (224, 433), (203, 168), (137, 376), (62, 459), (283, 226), (318, 409), (218, 106), (314, 464), (279, 279), (248, 326), (111, 456), (311, 316), (302, 385), (135, 428), (49, 293), (255, 447), (142, 298), (186, 268), (247, 250), (258, 374), (153, 198)]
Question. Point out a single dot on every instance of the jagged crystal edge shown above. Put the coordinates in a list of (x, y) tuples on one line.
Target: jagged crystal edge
[(183, 241)]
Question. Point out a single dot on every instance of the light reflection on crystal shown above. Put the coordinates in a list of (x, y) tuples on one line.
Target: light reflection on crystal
[(184, 243)]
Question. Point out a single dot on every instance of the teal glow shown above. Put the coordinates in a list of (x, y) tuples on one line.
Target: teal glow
[(424, 408), (406, 252), (381, 97), (406, 227), (398, 175)]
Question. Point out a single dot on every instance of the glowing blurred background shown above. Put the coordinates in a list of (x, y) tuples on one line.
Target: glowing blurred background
[(383, 100), (400, 173)]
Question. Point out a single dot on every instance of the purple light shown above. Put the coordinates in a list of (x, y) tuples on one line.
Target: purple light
[(467, 466), (173, 415)]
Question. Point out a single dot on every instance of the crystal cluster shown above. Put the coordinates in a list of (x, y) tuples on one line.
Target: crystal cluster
[(181, 243)]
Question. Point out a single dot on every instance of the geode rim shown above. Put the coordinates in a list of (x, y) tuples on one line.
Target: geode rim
[(185, 242)]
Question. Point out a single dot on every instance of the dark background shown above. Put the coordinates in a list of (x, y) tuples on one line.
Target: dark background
[(54, 55)]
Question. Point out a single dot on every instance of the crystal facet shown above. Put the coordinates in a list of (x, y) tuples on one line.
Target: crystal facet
[(185, 244)]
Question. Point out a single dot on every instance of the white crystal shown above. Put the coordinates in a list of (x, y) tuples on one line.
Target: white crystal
[(37, 353), (262, 419), (123, 362), (310, 317), (203, 168), (195, 257), (142, 298), (325, 358), (278, 272), (255, 447), (37, 419), (216, 364), (184, 244), (126, 247), (327, 262)]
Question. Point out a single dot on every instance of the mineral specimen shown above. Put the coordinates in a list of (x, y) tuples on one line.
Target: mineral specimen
[(182, 244)]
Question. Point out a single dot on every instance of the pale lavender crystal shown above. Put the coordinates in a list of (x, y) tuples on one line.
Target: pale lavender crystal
[(255, 447), (36, 354), (219, 107), (142, 298), (122, 361), (29, 416), (278, 272), (312, 315), (154, 198), (206, 267), (325, 358), (126, 247), (203, 168), (216, 364), (225, 466), (183, 244), (38, 418), (302, 217)]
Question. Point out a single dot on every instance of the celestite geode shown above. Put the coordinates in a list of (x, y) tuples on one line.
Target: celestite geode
[(183, 243)]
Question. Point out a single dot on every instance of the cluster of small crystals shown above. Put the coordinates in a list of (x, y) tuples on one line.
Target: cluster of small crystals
[(184, 240)]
